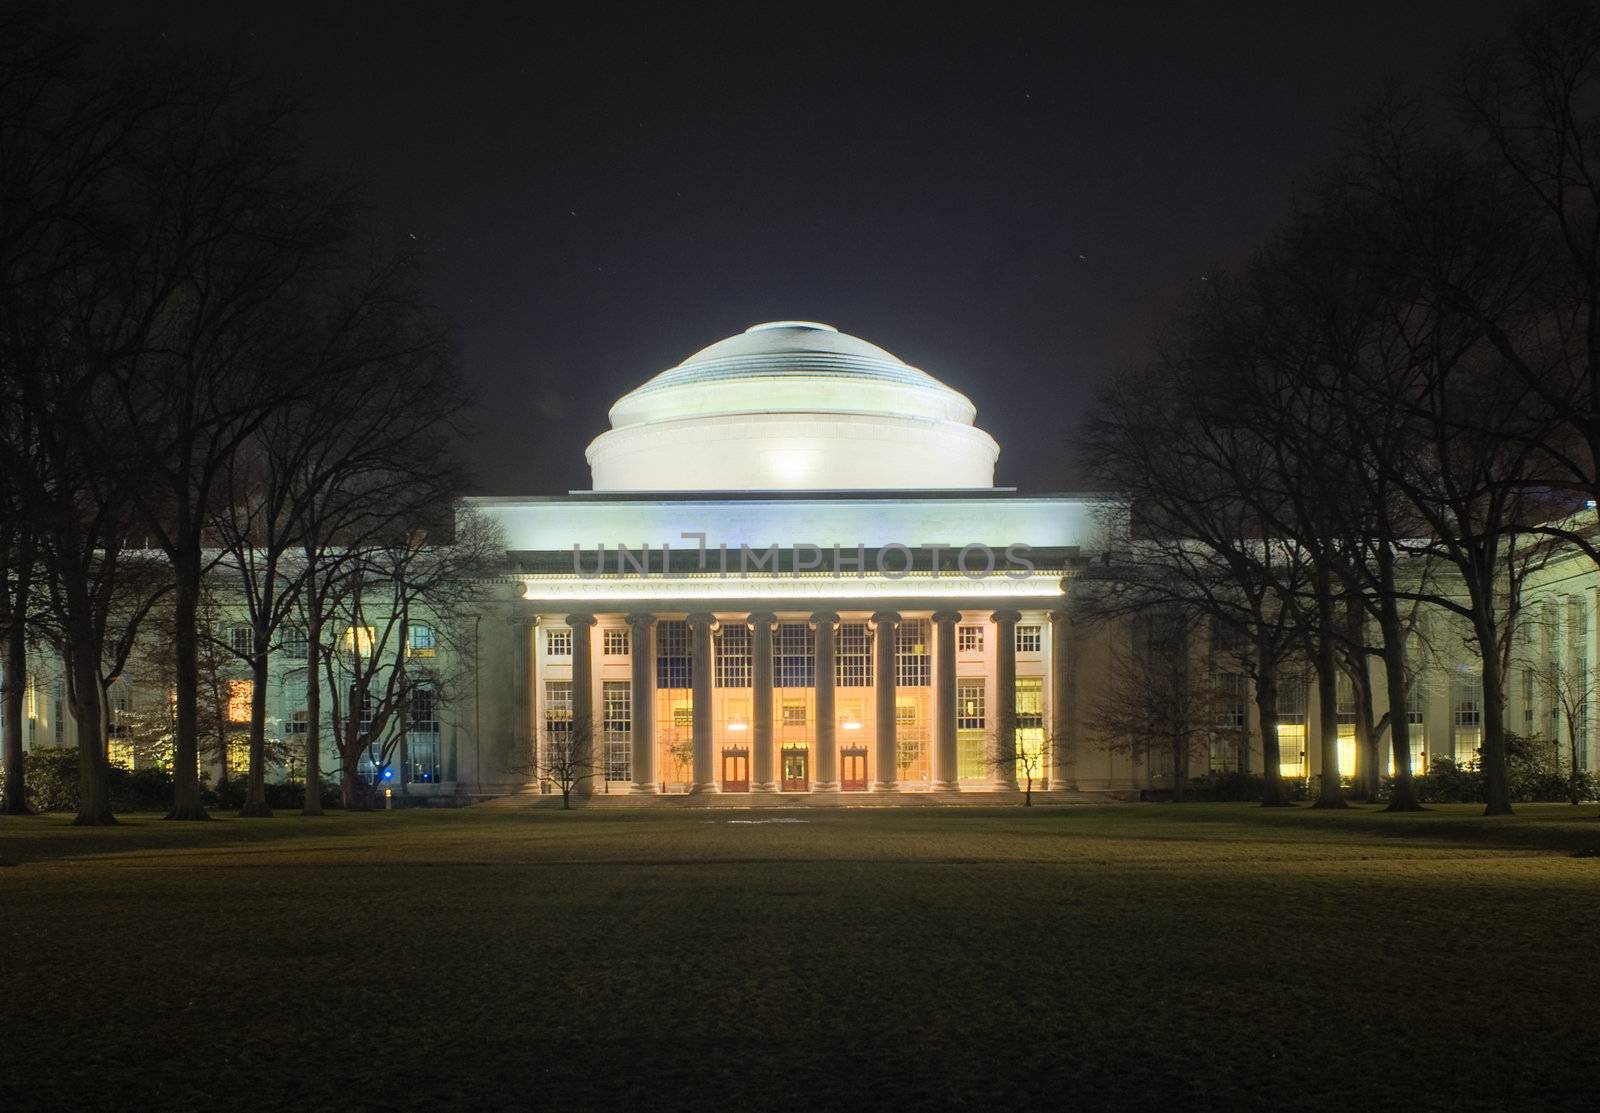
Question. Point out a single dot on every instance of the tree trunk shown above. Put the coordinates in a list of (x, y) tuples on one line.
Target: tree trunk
[(313, 801), (1271, 757), (255, 784), (16, 683), (1330, 793), (94, 771), (186, 802), (1403, 794), (350, 794), (1496, 781), (1368, 743)]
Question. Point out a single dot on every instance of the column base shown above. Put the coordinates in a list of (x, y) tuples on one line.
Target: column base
[(704, 788), (644, 790), (825, 786), (764, 786), (947, 786), (885, 786)]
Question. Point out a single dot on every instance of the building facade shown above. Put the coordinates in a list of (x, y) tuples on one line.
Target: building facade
[(793, 575)]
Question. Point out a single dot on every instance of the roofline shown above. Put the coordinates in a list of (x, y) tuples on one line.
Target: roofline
[(1004, 494)]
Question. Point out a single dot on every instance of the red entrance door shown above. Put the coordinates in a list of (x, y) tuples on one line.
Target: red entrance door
[(796, 776), (735, 769), (852, 769)]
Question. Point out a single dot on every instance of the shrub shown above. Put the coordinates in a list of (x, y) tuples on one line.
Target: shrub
[(140, 790), (287, 795), (52, 779), (1227, 786)]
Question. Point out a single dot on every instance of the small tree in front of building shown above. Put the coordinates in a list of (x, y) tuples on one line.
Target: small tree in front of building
[(569, 760)]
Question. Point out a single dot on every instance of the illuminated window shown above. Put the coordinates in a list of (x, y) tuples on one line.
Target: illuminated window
[(971, 728), (1345, 709), (558, 641), (360, 640), (674, 662), (617, 722), (119, 750), (911, 738), (421, 640), (1030, 726), (239, 693), (913, 667), (243, 640), (1030, 639), (794, 713), (1466, 707), (295, 642), (852, 663), (614, 643), (238, 755), (1292, 728), (683, 714), (969, 639), (557, 720), (733, 656), (794, 662)]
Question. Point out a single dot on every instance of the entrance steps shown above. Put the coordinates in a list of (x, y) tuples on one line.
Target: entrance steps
[(779, 800)]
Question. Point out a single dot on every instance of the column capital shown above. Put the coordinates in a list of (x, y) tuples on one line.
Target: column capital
[(1007, 616), (644, 620), (580, 620), (1059, 616), (524, 621), (825, 618), (947, 616), (701, 618), (880, 618), (761, 618)]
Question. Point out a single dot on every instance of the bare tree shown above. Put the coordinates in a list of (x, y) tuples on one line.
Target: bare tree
[(1572, 692), (568, 760), (372, 672), (1156, 702)]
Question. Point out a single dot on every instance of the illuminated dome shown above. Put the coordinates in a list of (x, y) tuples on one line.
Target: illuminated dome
[(792, 405)]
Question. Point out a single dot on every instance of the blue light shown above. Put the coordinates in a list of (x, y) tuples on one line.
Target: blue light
[(388, 773)]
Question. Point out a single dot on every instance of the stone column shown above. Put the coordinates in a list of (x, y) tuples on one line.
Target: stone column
[(1058, 771), (705, 761), (524, 735), (1005, 699), (946, 754), (642, 666), (587, 756), (761, 756), (885, 625), (824, 625)]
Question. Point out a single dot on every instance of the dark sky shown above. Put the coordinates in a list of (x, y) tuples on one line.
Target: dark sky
[(1011, 201)]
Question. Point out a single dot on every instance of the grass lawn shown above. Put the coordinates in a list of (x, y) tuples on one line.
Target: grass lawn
[(1199, 956)]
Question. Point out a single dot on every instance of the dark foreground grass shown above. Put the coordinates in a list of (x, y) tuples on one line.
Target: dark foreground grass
[(1196, 957)]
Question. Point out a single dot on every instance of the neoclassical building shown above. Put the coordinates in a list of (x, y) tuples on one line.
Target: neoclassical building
[(794, 574)]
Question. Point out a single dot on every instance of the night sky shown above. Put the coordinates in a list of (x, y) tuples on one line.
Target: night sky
[(1012, 202)]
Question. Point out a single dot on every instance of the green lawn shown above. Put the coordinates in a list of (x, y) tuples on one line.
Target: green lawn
[(1209, 956)]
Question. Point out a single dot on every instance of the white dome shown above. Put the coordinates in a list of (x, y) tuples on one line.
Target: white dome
[(792, 405)]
